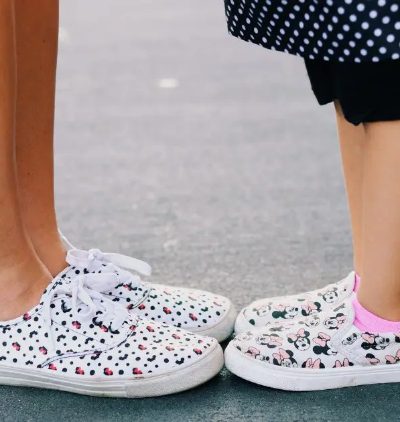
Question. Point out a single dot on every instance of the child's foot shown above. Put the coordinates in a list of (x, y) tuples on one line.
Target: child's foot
[(77, 340), (315, 353), (270, 310), (197, 311)]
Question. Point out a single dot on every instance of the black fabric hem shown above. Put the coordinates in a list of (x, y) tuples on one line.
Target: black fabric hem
[(367, 93)]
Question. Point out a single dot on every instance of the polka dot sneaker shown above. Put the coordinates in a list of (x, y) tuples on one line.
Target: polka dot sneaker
[(194, 310), (270, 310), (80, 341), (319, 352)]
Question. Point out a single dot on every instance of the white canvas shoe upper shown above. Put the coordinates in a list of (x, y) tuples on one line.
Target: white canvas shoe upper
[(324, 350), (77, 333), (194, 310), (263, 312)]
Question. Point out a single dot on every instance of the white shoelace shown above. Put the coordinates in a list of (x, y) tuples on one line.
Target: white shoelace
[(94, 260), (87, 302)]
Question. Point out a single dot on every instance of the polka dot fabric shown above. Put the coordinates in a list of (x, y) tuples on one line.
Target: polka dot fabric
[(192, 309), (63, 341), (329, 30)]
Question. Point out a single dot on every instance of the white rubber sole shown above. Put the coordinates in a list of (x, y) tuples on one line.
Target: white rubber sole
[(222, 330), (299, 379), (152, 386)]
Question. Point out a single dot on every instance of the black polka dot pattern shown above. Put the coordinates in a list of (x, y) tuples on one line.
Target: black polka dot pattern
[(58, 336), (330, 30), (191, 309)]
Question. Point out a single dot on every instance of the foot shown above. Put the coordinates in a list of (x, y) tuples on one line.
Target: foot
[(194, 310), (79, 341), (319, 352), (270, 310)]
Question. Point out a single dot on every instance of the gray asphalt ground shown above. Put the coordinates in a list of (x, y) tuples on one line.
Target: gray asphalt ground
[(228, 180)]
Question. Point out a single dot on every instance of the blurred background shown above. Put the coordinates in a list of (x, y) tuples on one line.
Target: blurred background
[(207, 156), (210, 158)]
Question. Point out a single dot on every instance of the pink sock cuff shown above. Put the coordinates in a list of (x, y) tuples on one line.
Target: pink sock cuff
[(357, 281), (368, 322)]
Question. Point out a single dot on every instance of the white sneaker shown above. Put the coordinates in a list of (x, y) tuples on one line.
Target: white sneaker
[(79, 341), (194, 310), (263, 312), (319, 352)]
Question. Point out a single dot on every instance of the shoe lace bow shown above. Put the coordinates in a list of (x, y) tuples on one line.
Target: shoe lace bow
[(95, 260), (86, 301)]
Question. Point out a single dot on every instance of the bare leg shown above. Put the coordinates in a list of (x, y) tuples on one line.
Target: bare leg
[(22, 276), (37, 37), (352, 139), (380, 287)]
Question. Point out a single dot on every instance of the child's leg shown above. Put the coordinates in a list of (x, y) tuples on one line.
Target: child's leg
[(22, 277), (380, 287), (352, 139), (37, 35)]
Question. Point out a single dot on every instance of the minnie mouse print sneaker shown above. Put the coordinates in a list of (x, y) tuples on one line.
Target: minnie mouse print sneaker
[(319, 352), (270, 310), (194, 310), (80, 341)]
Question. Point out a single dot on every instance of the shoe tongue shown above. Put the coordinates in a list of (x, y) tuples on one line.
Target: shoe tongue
[(62, 278), (121, 276), (104, 282), (345, 306), (67, 275), (347, 309), (339, 316)]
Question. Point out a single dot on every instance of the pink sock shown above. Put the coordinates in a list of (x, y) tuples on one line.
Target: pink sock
[(357, 281), (368, 322)]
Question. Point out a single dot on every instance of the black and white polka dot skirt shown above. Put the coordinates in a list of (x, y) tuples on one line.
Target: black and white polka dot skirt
[(331, 30)]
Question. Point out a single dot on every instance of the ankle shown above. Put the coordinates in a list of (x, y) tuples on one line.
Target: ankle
[(380, 302), (21, 286), (50, 249)]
